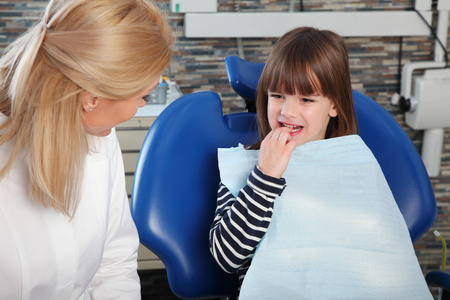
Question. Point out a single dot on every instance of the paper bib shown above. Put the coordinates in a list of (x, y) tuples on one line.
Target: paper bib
[(336, 231)]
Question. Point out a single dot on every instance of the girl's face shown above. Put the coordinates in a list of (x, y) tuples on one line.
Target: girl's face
[(306, 115), (107, 113)]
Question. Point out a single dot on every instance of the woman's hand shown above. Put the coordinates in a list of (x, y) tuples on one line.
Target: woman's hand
[(275, 152)]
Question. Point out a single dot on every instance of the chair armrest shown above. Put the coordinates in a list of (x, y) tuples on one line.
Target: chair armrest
[(439, 279)]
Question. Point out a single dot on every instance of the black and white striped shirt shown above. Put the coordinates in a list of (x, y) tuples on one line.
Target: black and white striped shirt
[(240, 223)]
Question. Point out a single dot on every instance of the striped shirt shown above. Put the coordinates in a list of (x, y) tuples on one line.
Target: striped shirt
[(240, 223)]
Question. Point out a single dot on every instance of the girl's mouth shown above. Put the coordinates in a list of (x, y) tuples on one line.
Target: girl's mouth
[(295, 128)]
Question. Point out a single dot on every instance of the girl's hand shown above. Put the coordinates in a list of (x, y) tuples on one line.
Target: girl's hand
[(275, 152)]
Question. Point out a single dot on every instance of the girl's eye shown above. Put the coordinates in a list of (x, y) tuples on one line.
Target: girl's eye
[(306, 100), (276, 96)]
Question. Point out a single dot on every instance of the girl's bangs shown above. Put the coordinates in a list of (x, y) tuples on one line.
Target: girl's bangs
[(287, 77)]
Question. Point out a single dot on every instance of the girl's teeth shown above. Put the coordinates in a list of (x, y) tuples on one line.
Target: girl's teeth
[(294, 128)]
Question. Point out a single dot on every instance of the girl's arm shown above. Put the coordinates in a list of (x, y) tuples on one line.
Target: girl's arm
[(240, 223)]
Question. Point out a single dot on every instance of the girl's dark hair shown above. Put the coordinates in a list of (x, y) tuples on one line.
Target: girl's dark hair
[(307, 61)]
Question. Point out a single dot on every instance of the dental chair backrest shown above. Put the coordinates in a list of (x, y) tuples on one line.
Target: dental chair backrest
[(175, 190), (176, 180)]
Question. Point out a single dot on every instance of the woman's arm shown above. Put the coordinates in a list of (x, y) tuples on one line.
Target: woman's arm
[(240, 223)]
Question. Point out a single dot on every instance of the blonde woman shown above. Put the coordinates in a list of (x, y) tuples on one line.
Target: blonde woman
[(65, 226)]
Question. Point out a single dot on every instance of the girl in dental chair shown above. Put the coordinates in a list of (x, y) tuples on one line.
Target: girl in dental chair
[(306, 212)]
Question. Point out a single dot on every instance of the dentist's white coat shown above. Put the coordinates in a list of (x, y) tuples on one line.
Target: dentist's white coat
[(44, 255)]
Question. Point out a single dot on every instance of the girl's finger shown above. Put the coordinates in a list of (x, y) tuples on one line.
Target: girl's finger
[(285, 137), (269, 135), (283, 133)]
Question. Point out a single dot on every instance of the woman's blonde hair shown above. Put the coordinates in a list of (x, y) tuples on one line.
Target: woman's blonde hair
[(306, 60), (110, 48)]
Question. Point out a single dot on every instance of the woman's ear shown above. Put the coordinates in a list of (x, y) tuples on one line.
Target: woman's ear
[(88, 101)]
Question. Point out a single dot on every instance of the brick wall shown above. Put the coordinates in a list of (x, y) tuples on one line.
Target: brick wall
[(198, 64)]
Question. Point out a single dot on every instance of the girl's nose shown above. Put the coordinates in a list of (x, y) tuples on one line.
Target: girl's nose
[(289, 109)]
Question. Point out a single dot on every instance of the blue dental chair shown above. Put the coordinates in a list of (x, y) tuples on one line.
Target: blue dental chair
[(176, 179)]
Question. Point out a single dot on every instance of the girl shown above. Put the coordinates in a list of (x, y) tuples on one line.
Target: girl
[(324, 240), (65, 224)]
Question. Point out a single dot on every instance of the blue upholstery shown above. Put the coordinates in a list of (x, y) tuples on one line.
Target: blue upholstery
[(439, 279), (244, 76), (176, 179), (401, 164), (175, 189)]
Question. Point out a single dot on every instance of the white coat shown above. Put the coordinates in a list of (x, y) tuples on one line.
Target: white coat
[(45, 255)]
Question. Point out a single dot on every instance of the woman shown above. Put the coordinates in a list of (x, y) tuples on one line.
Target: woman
[(65, 225)]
